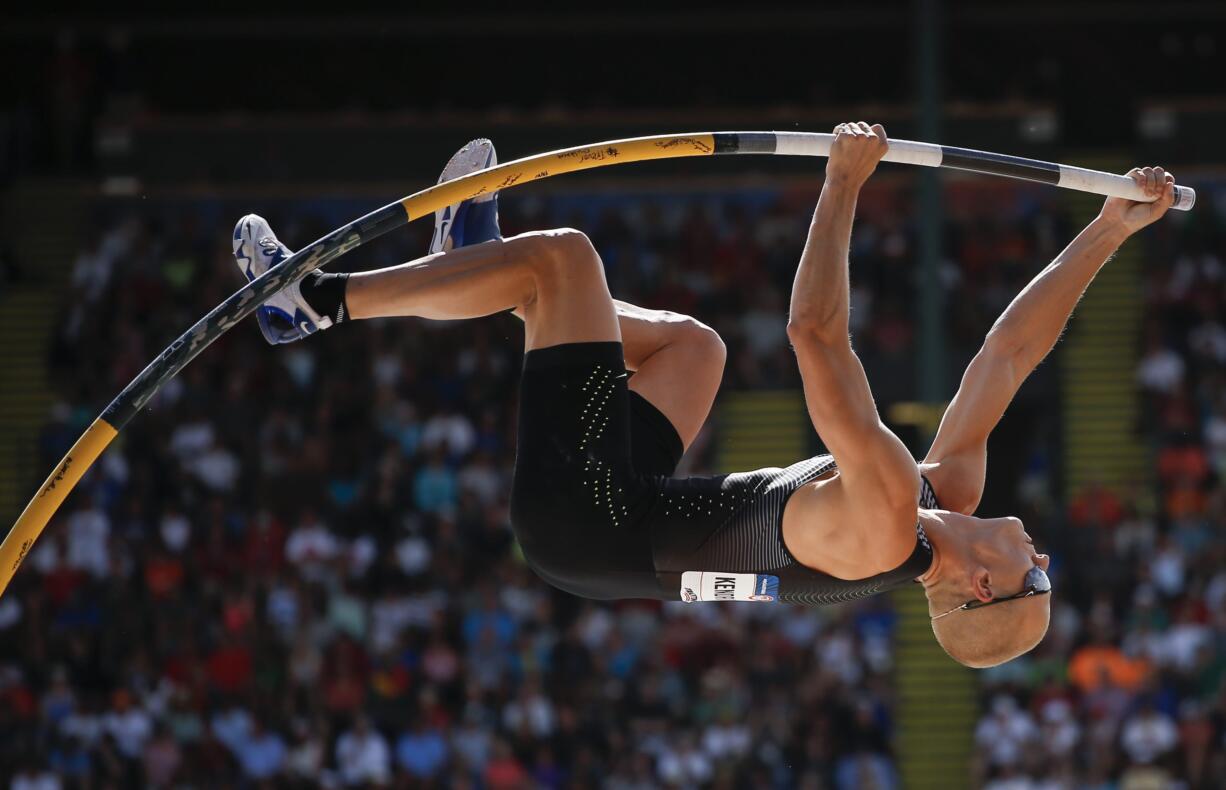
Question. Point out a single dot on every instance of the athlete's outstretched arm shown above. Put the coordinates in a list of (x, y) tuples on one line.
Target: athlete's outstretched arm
[(1023, 335), (872, 460)]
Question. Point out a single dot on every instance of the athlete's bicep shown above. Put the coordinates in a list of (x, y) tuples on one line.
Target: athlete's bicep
[(842, 410)]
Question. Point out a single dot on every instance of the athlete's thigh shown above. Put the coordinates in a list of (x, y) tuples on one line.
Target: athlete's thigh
[(678, 364), (572, 302), (682, 389)]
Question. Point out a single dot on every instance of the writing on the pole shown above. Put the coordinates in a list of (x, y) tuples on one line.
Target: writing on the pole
[(57, 477), (692, 142), (21, 554), (590, 154)]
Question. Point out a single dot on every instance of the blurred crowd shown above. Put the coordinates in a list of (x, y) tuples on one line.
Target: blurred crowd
[(294, 569)]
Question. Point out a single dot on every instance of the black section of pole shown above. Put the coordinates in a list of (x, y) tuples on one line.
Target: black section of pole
[(927, 24), (242, 303), (1000, 165)]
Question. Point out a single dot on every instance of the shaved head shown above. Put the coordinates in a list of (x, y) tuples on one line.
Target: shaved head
[(992, 635), (987, 562)]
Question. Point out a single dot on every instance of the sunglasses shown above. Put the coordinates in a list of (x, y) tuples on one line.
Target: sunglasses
[(1035, 583)]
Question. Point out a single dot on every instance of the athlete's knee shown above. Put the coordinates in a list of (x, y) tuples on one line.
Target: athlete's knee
[(699, 343), (568, 243), (702, 341), (562, 254), (552, 260)]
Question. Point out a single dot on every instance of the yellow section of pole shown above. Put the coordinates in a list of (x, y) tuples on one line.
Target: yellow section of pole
[(568, 160), (42, 507)]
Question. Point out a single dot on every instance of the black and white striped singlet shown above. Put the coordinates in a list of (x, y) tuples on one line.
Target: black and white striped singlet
[(731, 527), (597, 512)]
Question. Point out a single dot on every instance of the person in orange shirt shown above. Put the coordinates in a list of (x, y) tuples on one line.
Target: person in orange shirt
[(1101, 662)]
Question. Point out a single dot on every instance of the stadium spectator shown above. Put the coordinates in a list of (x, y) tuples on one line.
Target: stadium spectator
[(362, 755)]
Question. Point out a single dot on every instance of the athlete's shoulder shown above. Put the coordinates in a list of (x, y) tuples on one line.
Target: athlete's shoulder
[(849, 528)]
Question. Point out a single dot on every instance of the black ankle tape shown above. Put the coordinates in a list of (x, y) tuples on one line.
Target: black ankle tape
[(325, 293)]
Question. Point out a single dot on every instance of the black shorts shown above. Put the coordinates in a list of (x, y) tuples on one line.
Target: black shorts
[(590, 458)]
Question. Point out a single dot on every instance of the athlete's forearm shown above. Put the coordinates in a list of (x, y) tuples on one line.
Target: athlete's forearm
[(820, 290), (1032, 323)]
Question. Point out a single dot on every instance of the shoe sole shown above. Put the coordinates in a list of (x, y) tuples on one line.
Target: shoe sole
[(474, 155), (243, 236)]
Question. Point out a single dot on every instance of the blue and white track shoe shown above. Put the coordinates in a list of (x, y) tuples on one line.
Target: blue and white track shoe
[(470, 221), (286, 316)]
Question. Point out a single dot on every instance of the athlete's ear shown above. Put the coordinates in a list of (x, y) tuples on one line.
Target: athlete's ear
[(981, 584)]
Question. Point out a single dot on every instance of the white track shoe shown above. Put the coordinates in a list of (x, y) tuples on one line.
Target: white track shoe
[(286, 316), (470, 221)]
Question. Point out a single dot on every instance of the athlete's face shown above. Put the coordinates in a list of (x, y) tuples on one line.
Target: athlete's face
[(988, 602), (1007, 551), (999, 547)]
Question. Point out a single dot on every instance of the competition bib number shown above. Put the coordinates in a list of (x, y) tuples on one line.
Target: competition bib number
[(714, 586)]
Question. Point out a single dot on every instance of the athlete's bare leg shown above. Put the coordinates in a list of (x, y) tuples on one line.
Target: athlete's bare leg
[(555, 282), (678, 364), (554, 278)]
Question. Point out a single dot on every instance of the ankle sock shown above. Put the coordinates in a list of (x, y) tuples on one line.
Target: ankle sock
[(325, 293)]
